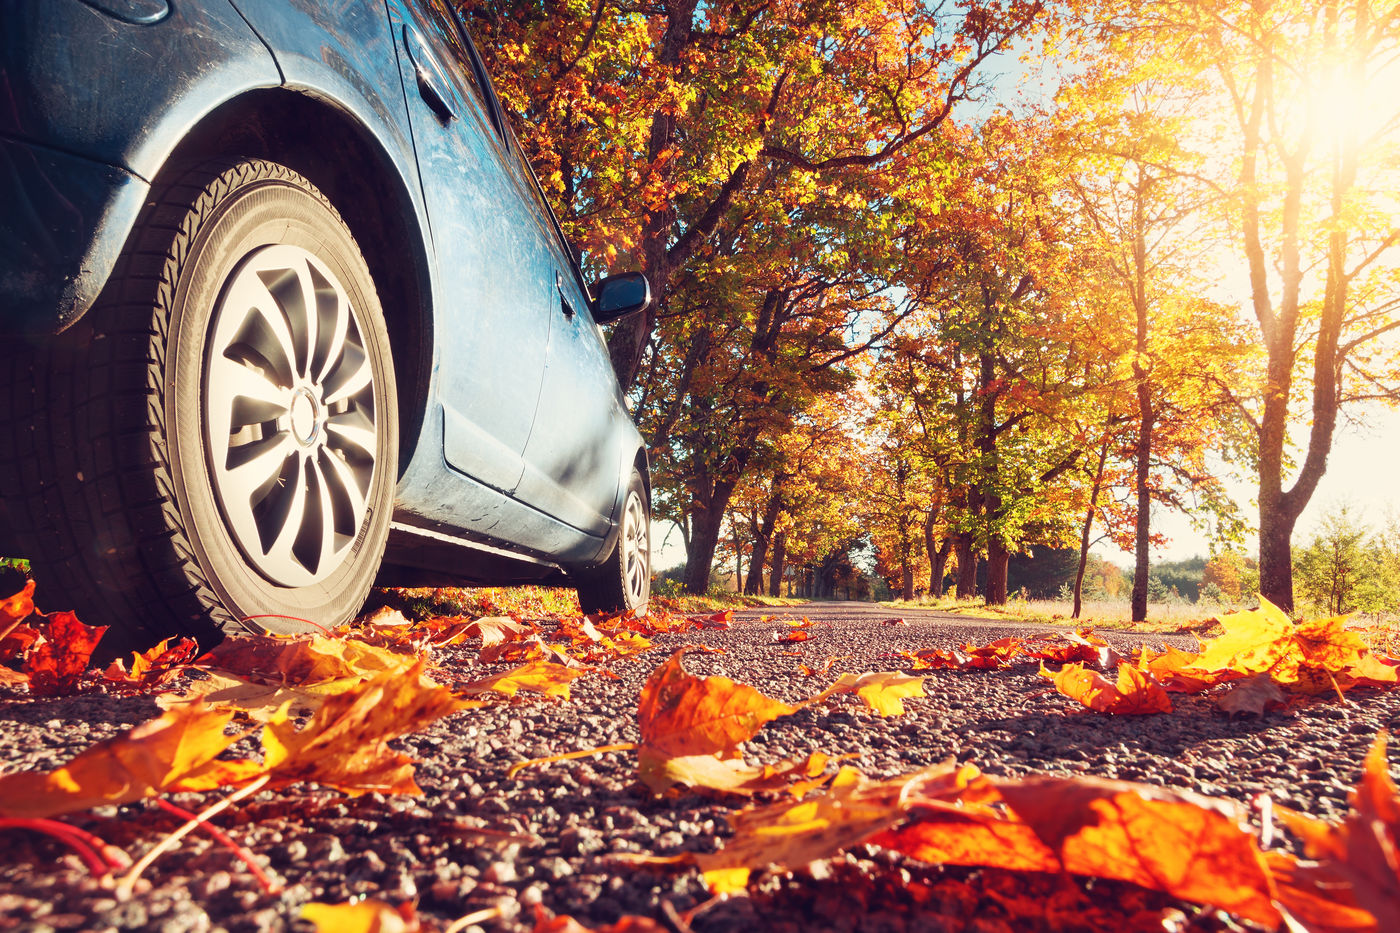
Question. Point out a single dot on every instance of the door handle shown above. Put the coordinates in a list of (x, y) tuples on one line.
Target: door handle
[(432, 82)]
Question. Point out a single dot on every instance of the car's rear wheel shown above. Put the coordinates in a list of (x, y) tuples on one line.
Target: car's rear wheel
[(623, 581), (213, 446)]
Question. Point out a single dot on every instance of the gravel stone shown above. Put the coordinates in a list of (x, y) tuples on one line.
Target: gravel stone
[(447, 848)]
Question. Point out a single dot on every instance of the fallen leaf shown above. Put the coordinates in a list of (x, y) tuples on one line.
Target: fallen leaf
[(1370, 671), (1254, 695), (882, 691), (304, 660), (566, 924), (345, 745), (1064, 647), (732, 776), (367, 916), (1173, 669), (1317, 896), (14, 610), (936, 658), (58, 660), (823, 670), (682, 715), (1135, 693), (846, 813), (534, 677), (154, 668), (1186, 845), (1303, 658), (177, 751), (719, 620), (257, 700), (1363, 850)]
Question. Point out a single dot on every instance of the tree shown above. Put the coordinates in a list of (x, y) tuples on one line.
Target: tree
[(1345, 567), (1226, 571), (654, 124), (1306, 143)]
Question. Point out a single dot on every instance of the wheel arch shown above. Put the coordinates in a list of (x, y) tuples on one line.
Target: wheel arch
[(340, 156)]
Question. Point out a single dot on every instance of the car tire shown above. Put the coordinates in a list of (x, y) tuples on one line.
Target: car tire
[(213, 446), (622, 583)]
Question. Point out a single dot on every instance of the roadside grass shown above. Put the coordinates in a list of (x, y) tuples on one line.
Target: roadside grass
[(1381, 633), (430, 602), (719, 601), (1109, 614), (539, 601)]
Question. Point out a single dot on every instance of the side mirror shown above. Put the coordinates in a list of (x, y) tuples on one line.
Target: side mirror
[(620, 295)]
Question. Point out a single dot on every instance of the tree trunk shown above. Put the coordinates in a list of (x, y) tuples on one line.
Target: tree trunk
[(1146, 415), (763, 536), (966, 554), (1087, 530), (937, 555), (998, 558), (704, 539), (775, 574)]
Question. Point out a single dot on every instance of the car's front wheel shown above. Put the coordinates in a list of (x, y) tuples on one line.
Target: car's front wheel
[(623, 581), (214, 444)]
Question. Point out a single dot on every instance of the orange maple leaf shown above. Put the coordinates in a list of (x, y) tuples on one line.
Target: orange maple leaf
[(152, 669), (14, 610), (1175, 671), (1187, 845), (177, 751), (58, 660), (850, 810), (1134, 694), (681, 715), (534, 677), (345, 745), (1304, 658), (1064, 647), (1362, 852), (367, 916), (882, 691)]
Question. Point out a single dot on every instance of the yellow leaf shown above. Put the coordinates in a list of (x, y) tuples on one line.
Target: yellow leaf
[(369, 916), (534, 677), (345, 745), (882, 691), (1135, 693)]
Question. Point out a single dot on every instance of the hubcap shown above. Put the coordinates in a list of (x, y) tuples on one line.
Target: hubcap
[(636, 569), (289, 415)]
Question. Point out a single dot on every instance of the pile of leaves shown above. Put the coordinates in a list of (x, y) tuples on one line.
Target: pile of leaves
[(262, 713)]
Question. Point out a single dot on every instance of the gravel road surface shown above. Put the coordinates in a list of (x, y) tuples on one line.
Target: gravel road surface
[(477, 841)]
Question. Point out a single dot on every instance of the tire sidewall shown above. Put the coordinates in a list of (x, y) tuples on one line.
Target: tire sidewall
[(637, 488), (264, 212)]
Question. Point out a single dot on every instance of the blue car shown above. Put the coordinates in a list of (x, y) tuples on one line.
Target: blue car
[(286, 316)]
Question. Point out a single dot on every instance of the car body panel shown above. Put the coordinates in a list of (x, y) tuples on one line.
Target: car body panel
[(489, 383), (62, 227), (524, 442), (200, 55)]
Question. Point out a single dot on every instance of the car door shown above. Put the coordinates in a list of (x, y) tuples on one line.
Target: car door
[(573, 461), (494, 296)]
